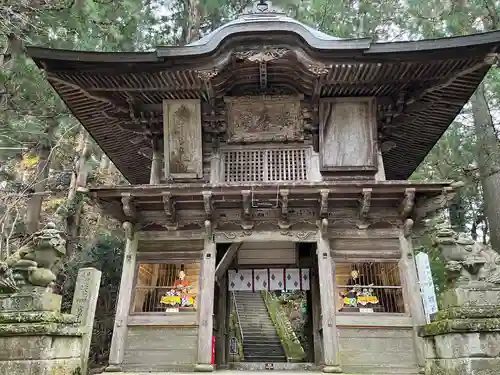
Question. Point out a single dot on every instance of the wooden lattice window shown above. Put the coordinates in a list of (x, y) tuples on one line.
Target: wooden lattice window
[(265, 165), (166, 288), (369, 287)]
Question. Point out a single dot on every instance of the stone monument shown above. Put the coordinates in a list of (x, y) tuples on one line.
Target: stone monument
[(35, 337), (464, 339)]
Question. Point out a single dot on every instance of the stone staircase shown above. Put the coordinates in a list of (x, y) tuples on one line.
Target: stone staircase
[(261, 342)]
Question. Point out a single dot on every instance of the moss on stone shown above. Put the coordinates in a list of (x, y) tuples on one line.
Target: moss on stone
[(36, 317), (31, 329), (469, 312), (460, 325)]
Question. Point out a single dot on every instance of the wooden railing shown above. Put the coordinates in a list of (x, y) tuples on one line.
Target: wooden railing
[(289, 340)]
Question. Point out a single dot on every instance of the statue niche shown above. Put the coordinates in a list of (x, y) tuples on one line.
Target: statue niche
[(35, 264), (470, 263), (276, 118)]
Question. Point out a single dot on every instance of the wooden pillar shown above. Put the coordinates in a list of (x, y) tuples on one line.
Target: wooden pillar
[(412, 295), (206, 305), (316, 317), (156, 163), (326, 274), (221, 342), (124, 300)]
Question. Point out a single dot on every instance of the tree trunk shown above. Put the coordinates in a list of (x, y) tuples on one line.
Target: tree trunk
[(39, 181), (488, 153), (77, 187)]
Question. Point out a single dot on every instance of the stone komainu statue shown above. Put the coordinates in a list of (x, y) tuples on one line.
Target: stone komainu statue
[(35, 264), (469, 262)]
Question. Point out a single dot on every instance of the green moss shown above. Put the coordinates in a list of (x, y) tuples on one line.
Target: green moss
[(31, 329), (460, 325), (469, 312), (36, 317), (292, 348)]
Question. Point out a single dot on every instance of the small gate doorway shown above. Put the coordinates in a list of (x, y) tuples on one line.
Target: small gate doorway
[(269, 312)]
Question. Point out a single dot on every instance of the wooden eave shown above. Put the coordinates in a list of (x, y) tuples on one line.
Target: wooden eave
[(421, 86), (133, 202)]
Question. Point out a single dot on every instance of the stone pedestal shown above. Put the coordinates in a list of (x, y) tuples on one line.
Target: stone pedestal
[(37, 339), (465, 338)]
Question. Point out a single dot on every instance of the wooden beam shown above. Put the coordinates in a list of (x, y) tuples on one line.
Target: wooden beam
[(128, 206), (364, 208), (226, 260), (208, 204), (169, 208), (117, 348), (246, 216), (284, 222), (323, 208), (156, 162), (408, 203)]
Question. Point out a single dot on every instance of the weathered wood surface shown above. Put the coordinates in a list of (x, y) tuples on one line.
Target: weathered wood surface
[(316, 318), (124, 299), (267, 253), (411, 289), (326, 277), (275, 118), (183, 139), (160, 349), (221, 322), (154, 319), (377, 351), (206, 303), (226, 260), (347, 133)]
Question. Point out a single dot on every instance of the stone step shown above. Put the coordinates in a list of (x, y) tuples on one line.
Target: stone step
[(264, 358), (263, 350)]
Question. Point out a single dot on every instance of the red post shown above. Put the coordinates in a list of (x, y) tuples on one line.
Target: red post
[(213, 350)]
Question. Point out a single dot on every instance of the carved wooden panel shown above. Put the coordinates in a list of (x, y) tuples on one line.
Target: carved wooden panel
[(275, 118), (183, 138), (347, 134)]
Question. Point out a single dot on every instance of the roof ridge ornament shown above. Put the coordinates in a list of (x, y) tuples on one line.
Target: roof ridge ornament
[(262, 7)]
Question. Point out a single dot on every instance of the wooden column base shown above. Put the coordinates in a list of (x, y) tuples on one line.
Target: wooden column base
[(203, 368)]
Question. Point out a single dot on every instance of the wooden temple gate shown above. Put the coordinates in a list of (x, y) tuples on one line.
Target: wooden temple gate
[(267, 131)]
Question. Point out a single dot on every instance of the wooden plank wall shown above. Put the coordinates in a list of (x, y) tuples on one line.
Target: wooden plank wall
[(377, 351), (267, 253), (150, 349)]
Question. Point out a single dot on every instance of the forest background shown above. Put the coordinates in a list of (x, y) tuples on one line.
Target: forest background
[(47, 159)]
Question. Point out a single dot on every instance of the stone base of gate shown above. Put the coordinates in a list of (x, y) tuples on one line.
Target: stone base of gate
[(465, 337), (39, 342)]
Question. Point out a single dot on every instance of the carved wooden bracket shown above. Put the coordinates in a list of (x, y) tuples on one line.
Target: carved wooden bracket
[(323, 206), (425, 208), (323, 227), (408, 203), (169, 208), (408, 227), (284, 222), (128, 227), (209, 231), (208, 204), (128, 206), (364, 208), (246, 217)]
